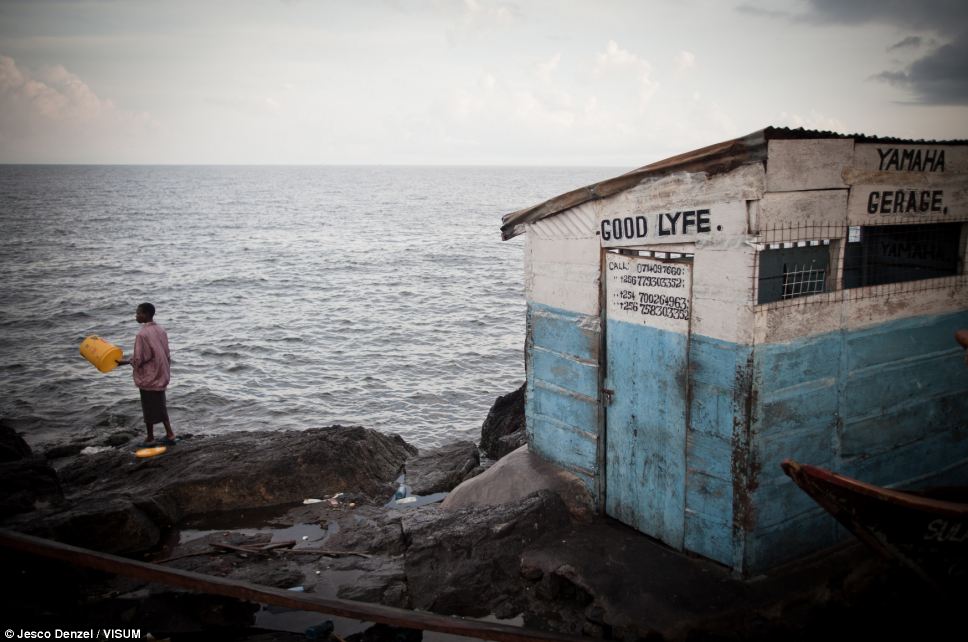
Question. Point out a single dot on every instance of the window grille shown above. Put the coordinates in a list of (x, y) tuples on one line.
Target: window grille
[(793, 269), (878, 255), (807, 263), (802, 279)]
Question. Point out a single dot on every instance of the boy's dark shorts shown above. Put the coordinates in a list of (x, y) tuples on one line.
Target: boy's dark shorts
[(154, 406)]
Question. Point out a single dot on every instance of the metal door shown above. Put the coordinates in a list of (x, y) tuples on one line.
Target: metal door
[(647, 310)]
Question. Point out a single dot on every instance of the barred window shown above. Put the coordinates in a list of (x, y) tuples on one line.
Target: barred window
[(790, 270), (876, 255)]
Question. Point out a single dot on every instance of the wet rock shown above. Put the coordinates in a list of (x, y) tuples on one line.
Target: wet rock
[(113, 525), (441, 469), (203, 475), (65, 450), (12, 445), (385, 585), (361, 532), (504, 428), (119, 439), (27, 484), (250, 469), (467, 561)]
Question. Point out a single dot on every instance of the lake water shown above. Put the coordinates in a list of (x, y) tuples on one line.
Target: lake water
[(294, 297)]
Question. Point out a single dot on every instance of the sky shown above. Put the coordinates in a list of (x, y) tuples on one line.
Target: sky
[(465, 82)]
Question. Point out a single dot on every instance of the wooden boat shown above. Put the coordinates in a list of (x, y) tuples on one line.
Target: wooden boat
[(926, 531)]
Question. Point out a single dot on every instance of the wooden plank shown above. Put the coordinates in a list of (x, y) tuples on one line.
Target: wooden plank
[(564, 273), (820, 213), (895, 157), (689, 220), (795, 165), (911, 201), (249, 592)]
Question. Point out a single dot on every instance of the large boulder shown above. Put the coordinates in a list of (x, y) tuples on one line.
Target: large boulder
[(251, 469), (467, 562), (243, 470), (504, 428), (114, 525), (12, 445), (27, 484), (518, 475), (441, 469)]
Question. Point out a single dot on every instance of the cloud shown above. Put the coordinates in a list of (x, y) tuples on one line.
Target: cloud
[(54, 93), (51, 114), (943, 16), (914, 42), (480, 16), (753, 10), (621, 62), (606, 108), (685, 60), (938, 77)]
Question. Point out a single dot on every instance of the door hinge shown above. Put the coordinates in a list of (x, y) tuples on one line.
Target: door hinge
[(607, 395)]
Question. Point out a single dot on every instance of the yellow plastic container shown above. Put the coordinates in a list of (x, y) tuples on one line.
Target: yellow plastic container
[(103, 355)]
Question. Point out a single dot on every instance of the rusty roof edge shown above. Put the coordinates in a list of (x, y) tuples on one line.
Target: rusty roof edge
[(713, 159)]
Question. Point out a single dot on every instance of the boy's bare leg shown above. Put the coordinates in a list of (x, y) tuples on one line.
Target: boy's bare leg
[(168, 431), (151, 431)]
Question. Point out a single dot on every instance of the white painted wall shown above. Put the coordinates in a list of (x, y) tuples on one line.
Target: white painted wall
[(563, 261), (823, 183)]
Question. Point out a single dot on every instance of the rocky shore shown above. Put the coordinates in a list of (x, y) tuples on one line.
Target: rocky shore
[(347, 512)]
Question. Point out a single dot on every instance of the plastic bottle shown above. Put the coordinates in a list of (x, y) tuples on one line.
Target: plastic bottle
[(320, 631)]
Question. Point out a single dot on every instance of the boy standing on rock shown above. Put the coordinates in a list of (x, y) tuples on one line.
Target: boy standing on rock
[(151, 363)]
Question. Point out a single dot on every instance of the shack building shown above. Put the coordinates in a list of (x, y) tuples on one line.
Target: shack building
[(788, 294)]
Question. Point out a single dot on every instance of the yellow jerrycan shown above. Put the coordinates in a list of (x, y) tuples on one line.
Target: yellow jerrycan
[(103, 355)]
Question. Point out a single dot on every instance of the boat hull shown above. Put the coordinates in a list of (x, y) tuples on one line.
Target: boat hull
[(924, 533)]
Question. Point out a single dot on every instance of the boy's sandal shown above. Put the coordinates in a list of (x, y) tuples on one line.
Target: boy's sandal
[(148, 444), (168, 442)]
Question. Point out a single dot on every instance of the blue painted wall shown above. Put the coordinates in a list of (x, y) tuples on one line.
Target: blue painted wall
[(718, 419), (645, 444), (562, 408), (886, 404)]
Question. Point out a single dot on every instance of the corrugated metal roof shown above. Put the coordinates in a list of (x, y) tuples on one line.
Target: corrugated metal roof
[(715, 159)]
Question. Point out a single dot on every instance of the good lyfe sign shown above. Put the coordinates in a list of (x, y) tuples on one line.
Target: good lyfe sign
[(662, 227)]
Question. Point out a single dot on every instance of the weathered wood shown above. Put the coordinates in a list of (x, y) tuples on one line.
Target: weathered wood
[(815, 214), (720, 158), (795, 165), (283, 544), (897, 203), (278, 597), (902, 157), (321, 551), (682, 208), (926, 534), (239, 549)]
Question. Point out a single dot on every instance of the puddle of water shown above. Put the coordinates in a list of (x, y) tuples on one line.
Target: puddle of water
[(238, 519), (279, 619), (413, 501), (304, 534)]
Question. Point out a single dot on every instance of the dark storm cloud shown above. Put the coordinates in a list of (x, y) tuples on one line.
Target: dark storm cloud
[(939, 77), (944, 16), (753, 10), (913, 42)]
